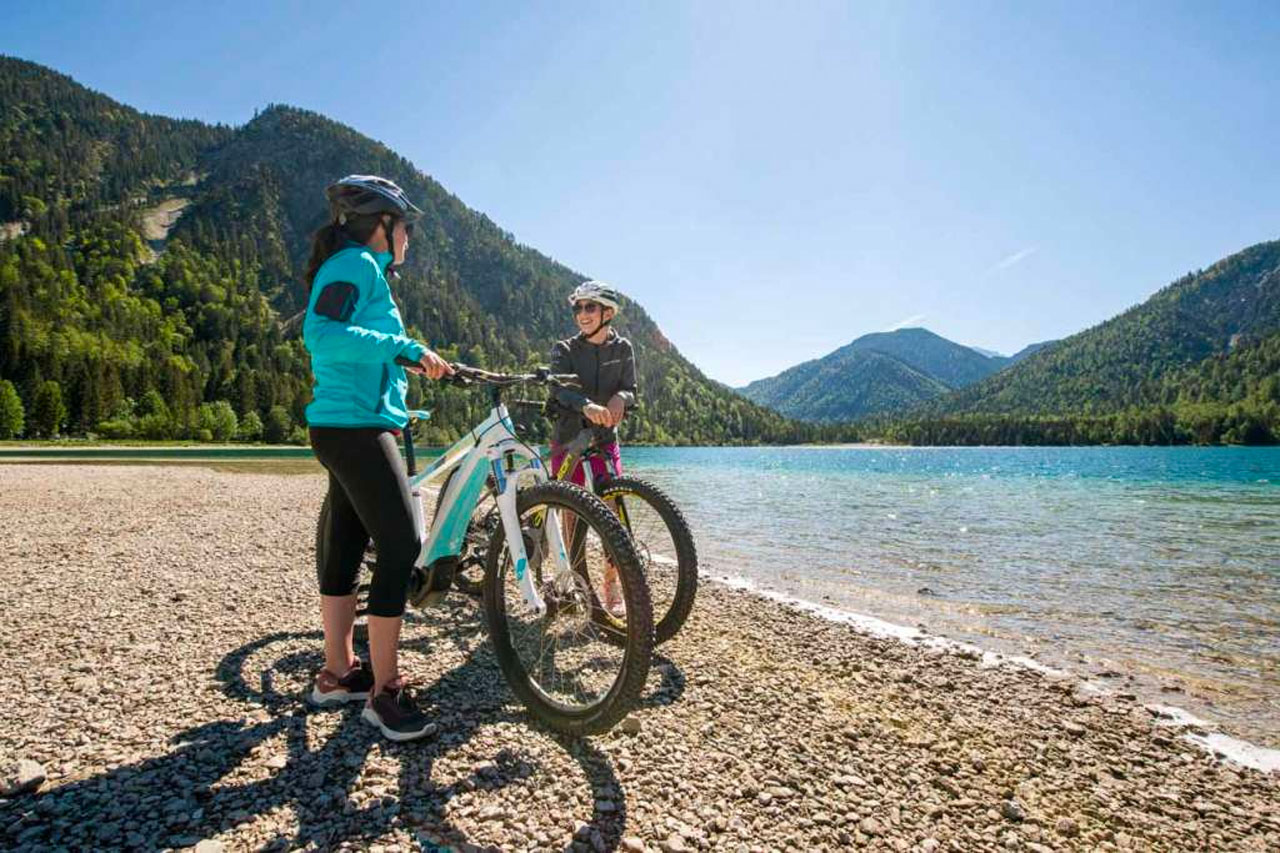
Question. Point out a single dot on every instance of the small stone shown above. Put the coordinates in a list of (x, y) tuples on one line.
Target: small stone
[(870, 826), (929, 845), (1067, 828), (632, 844), (1073, 729), (277, 762), (24, 778), (675, 843), (210, 846), (85, 684), (1013, 810), (630, 726)]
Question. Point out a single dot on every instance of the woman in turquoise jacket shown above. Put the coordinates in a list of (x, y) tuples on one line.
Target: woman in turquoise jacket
[(354, 333)]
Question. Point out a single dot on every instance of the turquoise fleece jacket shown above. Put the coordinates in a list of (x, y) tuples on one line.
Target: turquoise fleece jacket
[(354, 333)]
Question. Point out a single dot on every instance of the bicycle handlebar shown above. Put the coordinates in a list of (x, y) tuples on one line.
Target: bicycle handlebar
[(464, 375)]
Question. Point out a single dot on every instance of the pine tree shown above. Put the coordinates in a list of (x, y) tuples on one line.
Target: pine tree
[(48, 413), (11, 413)]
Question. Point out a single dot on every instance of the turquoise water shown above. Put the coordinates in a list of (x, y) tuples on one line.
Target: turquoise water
[(1161, 564)]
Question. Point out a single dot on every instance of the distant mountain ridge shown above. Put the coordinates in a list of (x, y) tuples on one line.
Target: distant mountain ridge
[(883, 372)]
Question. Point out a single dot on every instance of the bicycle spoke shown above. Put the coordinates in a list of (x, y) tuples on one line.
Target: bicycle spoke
[(567, 655)]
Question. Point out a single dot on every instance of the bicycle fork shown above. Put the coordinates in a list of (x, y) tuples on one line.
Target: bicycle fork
[(553, 545)]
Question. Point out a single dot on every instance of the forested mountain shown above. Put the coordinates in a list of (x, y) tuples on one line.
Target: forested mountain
[(1126, 361), (1197, 362), (879, 373), (100, 334)]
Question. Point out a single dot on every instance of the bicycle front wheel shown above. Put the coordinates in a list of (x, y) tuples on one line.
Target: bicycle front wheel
[(577, 675)]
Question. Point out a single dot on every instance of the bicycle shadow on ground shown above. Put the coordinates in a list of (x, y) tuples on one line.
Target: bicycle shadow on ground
[(670, 686), (314, 796)]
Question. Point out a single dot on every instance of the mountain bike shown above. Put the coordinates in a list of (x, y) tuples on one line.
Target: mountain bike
[(658, 529), (662, 538), (576, 672)]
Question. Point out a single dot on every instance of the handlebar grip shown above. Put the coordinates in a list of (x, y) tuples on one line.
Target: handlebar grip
[(406, 362)]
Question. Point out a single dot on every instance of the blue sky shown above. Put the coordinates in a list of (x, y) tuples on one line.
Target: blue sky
[(773, 180)]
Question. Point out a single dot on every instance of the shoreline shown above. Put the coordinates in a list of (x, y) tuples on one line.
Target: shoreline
[(1204, 734), (167, 622)]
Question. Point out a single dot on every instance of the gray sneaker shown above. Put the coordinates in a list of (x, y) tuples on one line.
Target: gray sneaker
[(395, 711)]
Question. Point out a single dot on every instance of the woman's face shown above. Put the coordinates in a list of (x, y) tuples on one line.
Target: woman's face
[(400, 237), (589, 316)]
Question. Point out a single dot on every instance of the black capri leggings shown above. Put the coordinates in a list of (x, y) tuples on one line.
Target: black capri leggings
[(368, 497)]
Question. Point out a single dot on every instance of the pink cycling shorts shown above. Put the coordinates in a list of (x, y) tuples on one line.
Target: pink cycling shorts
[(598, 464)]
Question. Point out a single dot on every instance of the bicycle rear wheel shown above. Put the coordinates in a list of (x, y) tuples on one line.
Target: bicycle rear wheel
[(664, 544), (576, 674)]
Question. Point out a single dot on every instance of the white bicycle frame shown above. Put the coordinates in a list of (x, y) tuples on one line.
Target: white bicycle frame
[(491, 448)]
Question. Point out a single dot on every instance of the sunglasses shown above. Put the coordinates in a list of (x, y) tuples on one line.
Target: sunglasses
[(585, 307)]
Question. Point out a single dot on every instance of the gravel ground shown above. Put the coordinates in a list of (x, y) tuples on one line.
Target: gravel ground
[(159, 628)]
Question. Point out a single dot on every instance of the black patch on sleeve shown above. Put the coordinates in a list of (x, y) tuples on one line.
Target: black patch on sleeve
[(337, 301)]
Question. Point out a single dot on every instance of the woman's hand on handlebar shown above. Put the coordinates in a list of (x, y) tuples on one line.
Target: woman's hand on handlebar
[(432, 365), (617, 410), (597, 414)]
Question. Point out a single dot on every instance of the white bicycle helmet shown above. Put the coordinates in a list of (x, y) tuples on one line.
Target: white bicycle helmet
[(596, 291)]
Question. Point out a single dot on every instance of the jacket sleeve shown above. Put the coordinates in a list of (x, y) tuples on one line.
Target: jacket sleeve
[(562, 363), (328, 331), (627, 387)]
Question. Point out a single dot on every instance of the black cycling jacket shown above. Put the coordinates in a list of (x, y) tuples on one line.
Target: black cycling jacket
[(604, 370)]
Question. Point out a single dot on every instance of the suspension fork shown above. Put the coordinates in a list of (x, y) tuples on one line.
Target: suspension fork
[(555, 546)]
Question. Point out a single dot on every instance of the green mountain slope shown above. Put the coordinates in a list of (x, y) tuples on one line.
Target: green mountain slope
[(1198, 362), (69, 152), (136, 344), (1125, 361), (950, 363), (879, 373)]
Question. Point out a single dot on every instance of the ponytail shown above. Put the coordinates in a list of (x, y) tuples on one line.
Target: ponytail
[(324, 243), (332, 237)]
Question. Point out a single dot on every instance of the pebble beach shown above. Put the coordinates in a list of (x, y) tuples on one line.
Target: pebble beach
[(160, 627)]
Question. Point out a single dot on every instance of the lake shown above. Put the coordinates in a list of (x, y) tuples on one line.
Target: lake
[(1160, 564)]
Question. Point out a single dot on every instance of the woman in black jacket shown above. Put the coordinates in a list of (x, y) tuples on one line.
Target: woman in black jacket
[(605, 365)]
